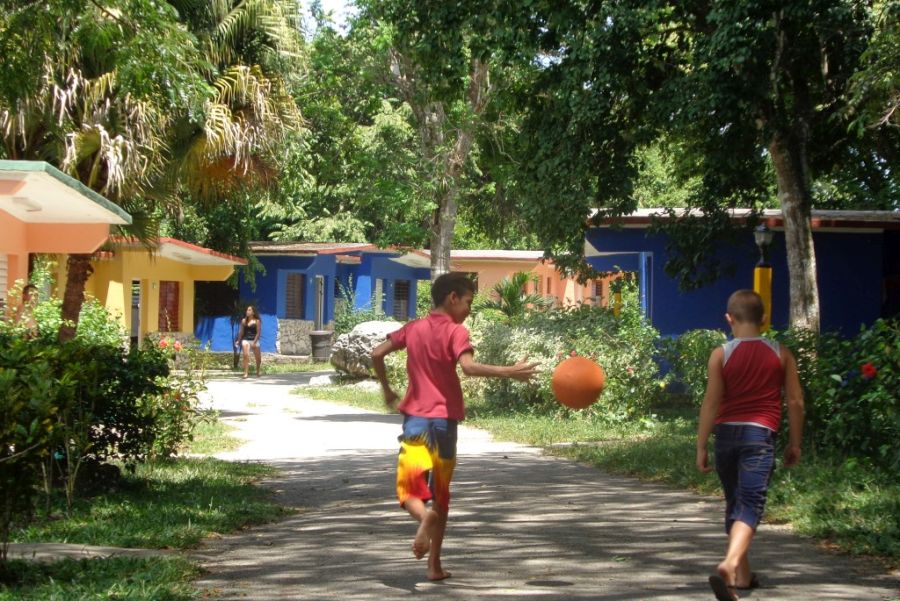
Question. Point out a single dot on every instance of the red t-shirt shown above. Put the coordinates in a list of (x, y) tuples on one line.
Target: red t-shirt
[(754, 376), (433, 346)]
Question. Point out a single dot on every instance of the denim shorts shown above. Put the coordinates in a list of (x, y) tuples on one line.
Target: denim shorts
[(745, 460)]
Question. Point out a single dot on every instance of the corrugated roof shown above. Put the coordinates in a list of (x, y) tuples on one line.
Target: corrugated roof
[(308, 248), (832, 219), (493, 255)]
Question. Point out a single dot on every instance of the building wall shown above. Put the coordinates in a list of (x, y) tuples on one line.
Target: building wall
[(110, 284), (18, 239), (550, 282), (849, 267)]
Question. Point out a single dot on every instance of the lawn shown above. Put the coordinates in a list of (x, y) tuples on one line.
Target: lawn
[(166, 505)]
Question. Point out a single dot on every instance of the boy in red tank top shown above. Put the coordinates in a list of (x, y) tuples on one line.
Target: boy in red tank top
[(433, 406), (748, 376)]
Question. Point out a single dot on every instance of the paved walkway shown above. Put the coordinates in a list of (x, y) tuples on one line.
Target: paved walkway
[(522, 525)]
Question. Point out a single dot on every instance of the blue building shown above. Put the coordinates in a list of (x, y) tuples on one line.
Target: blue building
[(303, 283), (857, 265)]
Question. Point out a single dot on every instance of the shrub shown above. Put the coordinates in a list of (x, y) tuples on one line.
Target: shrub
[(625, 346), (30, 398), (688, 356), (851, 389)]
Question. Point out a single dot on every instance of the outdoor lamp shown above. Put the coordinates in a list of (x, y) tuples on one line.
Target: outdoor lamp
[(762, 273), (763, 237)]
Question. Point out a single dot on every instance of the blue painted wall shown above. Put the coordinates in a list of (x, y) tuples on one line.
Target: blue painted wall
[(849, 266), (219, 333), (269, 298)]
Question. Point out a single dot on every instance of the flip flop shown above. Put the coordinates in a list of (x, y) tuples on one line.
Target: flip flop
[(723, 591), (754, 583)]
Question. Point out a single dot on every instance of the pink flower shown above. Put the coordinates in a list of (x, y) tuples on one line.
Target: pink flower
[(868, 371), (629, 371), (163, 343), (177, 345)]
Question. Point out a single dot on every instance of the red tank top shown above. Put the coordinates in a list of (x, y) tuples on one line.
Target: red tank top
[(754, 376)]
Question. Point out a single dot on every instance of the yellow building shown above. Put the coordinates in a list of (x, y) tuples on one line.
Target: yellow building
[(153, 291)]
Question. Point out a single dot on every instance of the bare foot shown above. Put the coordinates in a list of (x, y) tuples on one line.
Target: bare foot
[(422, 543), (438, 575)]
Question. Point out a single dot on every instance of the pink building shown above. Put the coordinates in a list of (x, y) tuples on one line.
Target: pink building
[(488, 267), (43, 210)]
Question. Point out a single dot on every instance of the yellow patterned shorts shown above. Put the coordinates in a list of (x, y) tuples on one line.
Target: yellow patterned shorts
[(426, 461)]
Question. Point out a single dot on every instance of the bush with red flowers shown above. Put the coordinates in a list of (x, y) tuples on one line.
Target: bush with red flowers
[(851, 388)]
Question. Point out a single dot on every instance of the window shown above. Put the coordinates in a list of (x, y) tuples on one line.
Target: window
[(401, 300), (294, 297), (169, 304)]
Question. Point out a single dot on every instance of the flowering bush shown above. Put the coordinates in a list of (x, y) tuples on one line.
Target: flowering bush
[(850, 387)]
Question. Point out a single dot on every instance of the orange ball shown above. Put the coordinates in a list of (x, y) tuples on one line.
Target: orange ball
[(577, 382)]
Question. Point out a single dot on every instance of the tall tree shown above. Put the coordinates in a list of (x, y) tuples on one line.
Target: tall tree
[(744, 86), (448, 101), (93, 88), (141, 101)]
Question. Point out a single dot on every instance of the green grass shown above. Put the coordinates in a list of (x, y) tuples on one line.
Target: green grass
[(146, 579), (852, 505), (355, 397), (290, 368), (165, 505), (212, 436)]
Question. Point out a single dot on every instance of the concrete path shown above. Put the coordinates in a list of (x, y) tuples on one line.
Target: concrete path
[(522, 525)]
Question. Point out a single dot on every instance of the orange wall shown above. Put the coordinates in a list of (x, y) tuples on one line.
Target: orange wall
[(18, 239), (567, 291)]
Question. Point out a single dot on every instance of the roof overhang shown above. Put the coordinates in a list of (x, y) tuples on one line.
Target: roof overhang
[(821, 220), (185, 252), (412, 260), (37, 192)]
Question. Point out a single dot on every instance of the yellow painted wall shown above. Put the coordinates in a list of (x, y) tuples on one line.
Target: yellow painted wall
[(111, 285)]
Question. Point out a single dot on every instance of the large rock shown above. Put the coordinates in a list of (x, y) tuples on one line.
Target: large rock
[(351, 351)]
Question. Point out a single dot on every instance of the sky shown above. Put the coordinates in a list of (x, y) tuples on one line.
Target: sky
[(340, 9)]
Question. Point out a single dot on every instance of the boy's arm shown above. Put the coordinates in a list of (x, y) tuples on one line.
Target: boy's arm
[(715, 387), (522, 371), (793, 394), (378, 355)]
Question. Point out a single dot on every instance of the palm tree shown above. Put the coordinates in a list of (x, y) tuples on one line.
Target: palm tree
[(86, 86), (141, 100), (252, 50), (511, 298)]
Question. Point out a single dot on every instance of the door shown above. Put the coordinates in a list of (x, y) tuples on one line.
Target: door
[(169, 303), (135, 312)]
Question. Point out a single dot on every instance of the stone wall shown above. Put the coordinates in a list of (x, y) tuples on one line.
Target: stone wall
[(293, 337)]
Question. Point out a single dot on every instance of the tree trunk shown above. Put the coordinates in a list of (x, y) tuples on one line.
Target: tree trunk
[(444, 219), (79, 270), (789, 159)]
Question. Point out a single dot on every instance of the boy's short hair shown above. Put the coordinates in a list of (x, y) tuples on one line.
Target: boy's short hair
[(746, 306), (457, 282)]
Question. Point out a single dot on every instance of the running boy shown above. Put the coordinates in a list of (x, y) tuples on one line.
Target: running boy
[(743, 406), (433, 406)]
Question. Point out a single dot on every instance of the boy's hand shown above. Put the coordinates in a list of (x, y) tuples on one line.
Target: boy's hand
[(390, 398), (791, 456), (523, 370), (703, 460)]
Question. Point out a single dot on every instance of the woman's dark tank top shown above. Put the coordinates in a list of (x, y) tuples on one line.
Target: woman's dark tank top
[(250, 330)]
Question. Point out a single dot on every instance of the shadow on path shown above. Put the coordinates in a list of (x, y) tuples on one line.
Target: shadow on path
[(522, 526)]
